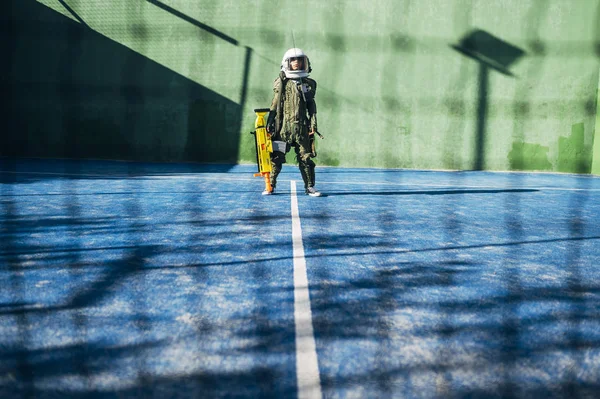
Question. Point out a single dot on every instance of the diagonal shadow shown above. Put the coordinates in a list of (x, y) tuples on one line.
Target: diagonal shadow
[(195, 22), (220, 35), (93, 98), (430, 192), (73, 13)]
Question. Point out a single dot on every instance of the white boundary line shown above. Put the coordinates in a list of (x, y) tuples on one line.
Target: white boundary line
[(408, 186), (307, 366)]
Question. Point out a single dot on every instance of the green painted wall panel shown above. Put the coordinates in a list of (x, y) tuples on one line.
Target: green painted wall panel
[(596, 146), (392, 92), (574, 156), (527, 156), (78, 93)]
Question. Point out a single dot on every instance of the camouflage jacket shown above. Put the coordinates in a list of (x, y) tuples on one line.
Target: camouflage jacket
[(294, 101)]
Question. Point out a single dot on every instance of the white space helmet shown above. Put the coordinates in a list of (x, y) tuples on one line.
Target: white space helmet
[(291, 55)]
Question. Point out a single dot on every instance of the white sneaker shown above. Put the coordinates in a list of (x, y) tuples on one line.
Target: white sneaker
[(267, 192), (312, 192)]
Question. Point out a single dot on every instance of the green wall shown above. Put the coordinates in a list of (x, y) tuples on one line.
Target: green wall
[(596, 150), (178, 80)]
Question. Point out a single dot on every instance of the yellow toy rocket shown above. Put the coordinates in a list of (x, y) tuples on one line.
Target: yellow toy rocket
[(264, 147)]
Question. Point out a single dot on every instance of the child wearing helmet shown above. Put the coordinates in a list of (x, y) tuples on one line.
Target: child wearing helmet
[(292, 120)]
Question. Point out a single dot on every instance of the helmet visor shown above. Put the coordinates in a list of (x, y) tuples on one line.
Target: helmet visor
[(297, 63)]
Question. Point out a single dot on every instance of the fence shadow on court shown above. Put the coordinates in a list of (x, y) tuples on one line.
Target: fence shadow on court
[(88, 314)]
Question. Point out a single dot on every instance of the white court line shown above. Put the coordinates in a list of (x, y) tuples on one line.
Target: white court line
[(218, 176), (307, 366)]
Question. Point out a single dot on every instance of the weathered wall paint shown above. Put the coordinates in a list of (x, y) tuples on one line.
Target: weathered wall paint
[(525, 156), (573, 154), (596, 146), (392, 92)]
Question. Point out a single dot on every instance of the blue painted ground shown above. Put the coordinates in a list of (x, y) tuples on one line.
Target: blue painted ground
[(174, 281)]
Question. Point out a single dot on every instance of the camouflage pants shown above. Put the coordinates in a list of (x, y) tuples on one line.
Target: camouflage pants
[(296, 135)]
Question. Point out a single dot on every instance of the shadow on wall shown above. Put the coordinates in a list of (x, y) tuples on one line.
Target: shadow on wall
[(77, 94), (491, 53)]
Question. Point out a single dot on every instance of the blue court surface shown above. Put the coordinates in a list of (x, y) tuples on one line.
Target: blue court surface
[(127, 280)]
